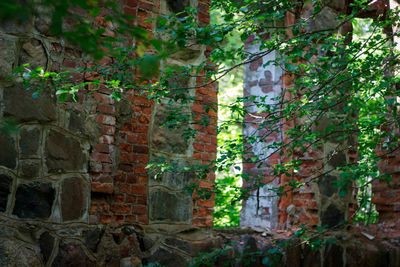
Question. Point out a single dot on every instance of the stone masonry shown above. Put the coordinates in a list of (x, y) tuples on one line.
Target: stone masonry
[(74, 190)]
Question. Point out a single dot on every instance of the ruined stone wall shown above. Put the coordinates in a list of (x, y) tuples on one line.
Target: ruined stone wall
[(74, 190), (314, 203)]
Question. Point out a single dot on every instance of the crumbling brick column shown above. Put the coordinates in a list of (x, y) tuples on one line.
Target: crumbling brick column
[(386, 194), (260, 208), (313, 203)]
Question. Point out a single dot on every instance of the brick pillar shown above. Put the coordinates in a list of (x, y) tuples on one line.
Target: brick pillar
[(386, 196), (260, 208)]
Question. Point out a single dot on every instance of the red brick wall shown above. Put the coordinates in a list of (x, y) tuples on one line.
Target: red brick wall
[(119, 187)]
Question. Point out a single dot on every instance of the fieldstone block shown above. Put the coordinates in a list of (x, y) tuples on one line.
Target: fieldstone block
[(92, 238), (177, 6), (29, 142), (16, 27), (312, 258), (333, 255), (337, 160), (43, 23), (165, 258), (175, 179), (145, 242), (331, 216), (46, 243), (8, 153), (74, 198), (165, 206), (71, 255), (34, 54), (178, 243), (5, 189), (20, 104), (8, 50), (29, 168), (326, 185), (367, 254), (293, 254), (17, 253), (167, 140), (63, 153), (191, 247), (326, 19), (76, 122), (34, 200)]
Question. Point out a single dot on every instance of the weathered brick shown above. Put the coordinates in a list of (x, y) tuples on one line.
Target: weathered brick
[(141, 149), (102, 188), (140, 169), (131, 179), (103, 98), (107, 109), (124, 188), (143, 219), (141, 200), (198, 147), (106, 139), (119, 198), (140, 210), (105, 219), (105, 119), (138, 189), (121, 177), (130, 199), (120, 209), (208, 203), (125, 167), (101, 157)]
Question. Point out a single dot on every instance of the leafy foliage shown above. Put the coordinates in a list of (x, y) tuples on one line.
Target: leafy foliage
[(350, 83)]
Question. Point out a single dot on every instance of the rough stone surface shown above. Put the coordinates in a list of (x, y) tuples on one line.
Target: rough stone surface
[(331, 216), (164, 139), (177, 6), (367, 255), (311, 258), (15, 253), (7, 56), (43, 23), (324, 20), (34, 200), (76, 122), (63, 153), (165, 206), (5, 189), (29, 168), (8, 154), (326, 185), (165, 258), (74, 197), (333, 255), (175, 179), (337, 160), (92, 238), (46, 243), (29, 142), (145, 242), (71, 255), (178, 243), (20, 104), (33, 53)]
